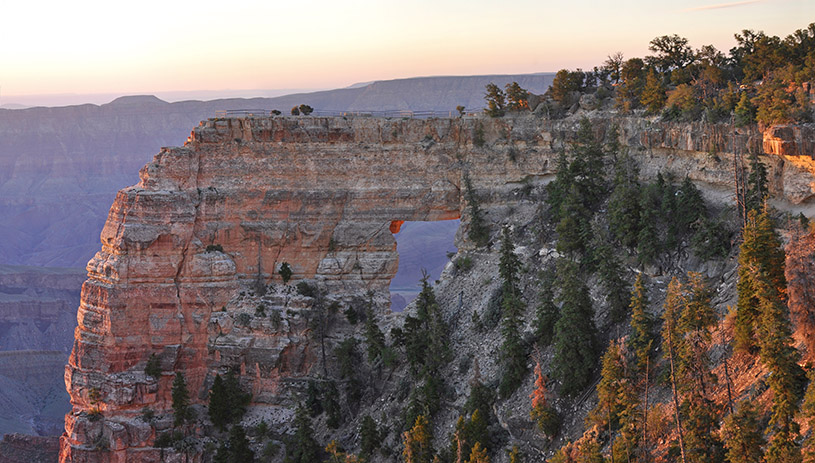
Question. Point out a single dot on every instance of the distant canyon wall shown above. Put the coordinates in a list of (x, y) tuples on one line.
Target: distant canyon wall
[(221, 214)]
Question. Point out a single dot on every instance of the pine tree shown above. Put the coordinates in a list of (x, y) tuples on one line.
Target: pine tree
[(648, 242), (588, 166), (742, 435), (181, 400), (374, 338), (237, 449), (517, 97), (624, 203), (694, 324), (478, 232), (756, 184), (574, 228), (671, 344), (642, 324), (481, 397), (575, 333), (513, 351), (612, 374), (301, 446), (514, 454), (558, 188), (760, 252), (219, 412), (808, 413), (417, 442), (745, 111), (479, 454), (689, 209), (496, 100), (543, 414), (653, 95), (611, 273), (227, 400), (370, 438), (546, 314)]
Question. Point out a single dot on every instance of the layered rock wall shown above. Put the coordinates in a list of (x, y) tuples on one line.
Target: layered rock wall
[(221, 214)]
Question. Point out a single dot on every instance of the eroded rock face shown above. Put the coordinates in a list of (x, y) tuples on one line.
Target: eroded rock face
[(221, 215)]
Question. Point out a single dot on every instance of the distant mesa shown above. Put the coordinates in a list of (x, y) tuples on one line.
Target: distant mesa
[(136, 100)]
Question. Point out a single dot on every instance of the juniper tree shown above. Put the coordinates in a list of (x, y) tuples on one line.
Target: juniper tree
[(575, 334)]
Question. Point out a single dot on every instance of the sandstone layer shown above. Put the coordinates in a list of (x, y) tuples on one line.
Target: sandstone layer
[(220, 215)]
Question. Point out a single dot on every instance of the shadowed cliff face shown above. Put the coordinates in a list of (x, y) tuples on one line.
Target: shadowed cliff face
[(319, 194)]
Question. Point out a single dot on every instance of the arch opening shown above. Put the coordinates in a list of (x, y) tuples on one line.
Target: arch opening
[(421, 245)]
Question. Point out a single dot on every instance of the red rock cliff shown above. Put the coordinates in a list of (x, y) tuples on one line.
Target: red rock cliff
[(320, 194)]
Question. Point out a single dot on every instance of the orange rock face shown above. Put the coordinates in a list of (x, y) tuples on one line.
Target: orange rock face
[(243, 196)]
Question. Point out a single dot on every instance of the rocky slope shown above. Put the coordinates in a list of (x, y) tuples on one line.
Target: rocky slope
[(191, 252)]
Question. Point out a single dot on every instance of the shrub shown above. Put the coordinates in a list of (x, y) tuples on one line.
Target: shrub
[(295, 111), (306, 109), (285, 272), (305, 289), (153, 367), (464, 264), (215, 247), (260, 310), (244, 319)]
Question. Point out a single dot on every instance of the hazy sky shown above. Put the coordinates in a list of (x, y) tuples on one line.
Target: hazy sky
[(150, 46)]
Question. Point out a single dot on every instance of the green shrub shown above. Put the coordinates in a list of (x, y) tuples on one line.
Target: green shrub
[(153, 367), (215, 247), (305, 289), (285, 272)]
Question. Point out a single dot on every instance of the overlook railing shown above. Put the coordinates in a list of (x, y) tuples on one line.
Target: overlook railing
[(404, 114)]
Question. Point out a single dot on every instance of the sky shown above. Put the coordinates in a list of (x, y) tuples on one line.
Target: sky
[(178, 47)]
